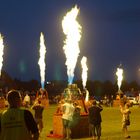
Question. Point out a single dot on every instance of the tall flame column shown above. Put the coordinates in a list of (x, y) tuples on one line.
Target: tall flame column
[(41, 61), (119, 74), (72, 30), (84, 76), (1, 52)]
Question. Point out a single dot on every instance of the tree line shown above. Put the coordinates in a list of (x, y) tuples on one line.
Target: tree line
[(95, 88)]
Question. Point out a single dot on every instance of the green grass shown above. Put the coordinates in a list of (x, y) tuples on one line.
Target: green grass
[(111, 124)]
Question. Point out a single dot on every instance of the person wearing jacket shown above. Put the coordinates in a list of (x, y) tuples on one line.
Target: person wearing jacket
[(17, 123), (95, 120)]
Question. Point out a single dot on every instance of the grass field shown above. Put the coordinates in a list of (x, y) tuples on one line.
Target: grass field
[(111, 124)]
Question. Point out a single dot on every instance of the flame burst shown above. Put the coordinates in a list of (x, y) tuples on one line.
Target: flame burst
[(1, 52), (87, 96), (72, 30), (84, 72), (119, 74), (41, 61)]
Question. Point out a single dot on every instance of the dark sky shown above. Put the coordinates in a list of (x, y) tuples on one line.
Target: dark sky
[(110, 36)]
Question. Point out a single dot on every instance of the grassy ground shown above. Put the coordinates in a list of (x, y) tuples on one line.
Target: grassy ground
[(111, 124)]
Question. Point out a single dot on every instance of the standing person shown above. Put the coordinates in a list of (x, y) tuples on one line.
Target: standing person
[(95, 120), (38, 108), (27, 100), (76, 114), (139, 99), (125, 119), (67, 117), (42, 93), (17, 123)]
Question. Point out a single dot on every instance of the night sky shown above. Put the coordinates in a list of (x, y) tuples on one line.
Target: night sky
[(110, 36)]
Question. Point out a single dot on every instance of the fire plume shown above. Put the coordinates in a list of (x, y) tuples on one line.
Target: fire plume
[(72, 30), (84, 71), (119, 74), (87, 96), (41, 61), (1, 52)]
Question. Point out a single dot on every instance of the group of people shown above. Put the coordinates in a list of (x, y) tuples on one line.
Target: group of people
[(70, 112), (25, 126), (18, 123), (94, 117)]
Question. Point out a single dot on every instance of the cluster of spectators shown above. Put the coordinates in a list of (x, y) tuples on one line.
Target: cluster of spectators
[(94, 117), (71, 115), (25, 126), (17, 123)]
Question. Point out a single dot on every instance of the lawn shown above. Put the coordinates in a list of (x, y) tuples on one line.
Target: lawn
[(111, 124)]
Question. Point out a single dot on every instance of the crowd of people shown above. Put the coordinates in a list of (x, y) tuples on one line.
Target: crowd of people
[(25, 126), (20, 121), (94, 117), (17, 123)]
